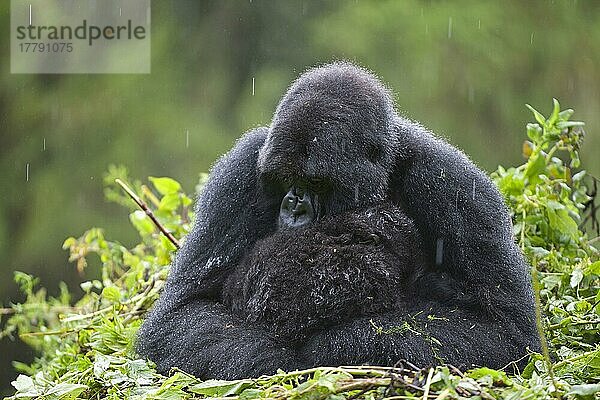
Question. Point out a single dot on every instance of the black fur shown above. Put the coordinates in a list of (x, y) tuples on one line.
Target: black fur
[(296, 282), (364, 283)]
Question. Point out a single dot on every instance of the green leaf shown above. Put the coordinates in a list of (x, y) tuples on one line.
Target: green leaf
[(555, 110), (578, 176), (165, 185), (551, 281), (579, 307), (65, 391), (170, 202), (112, 294), (594, 268), (568, 124), (555, 205), (142, 222), (498, 377), (561, 222), (538, 252), (576, 277), (23, 383), (220, 388), (564, 115), (538, 116), (535, 166), (534, 131), (586, 389), (250, 394), (69, 242), (86, 286), (186, 201)]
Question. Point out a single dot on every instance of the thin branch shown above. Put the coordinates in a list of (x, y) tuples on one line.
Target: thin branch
[(574, 323), (142, 204), (427, 384)]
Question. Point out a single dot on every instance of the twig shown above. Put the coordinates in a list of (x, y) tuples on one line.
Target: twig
[(427, 384), (575, 323), (573, 359), (142, 204), (456, 370), (27, 307), (138, 304), (445, 393)]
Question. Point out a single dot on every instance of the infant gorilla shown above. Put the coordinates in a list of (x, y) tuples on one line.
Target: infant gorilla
[(302, 280)]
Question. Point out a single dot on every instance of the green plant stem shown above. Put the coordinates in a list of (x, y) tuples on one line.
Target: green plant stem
[(577, 323), (540, 325), (552, 151), (573, 359)]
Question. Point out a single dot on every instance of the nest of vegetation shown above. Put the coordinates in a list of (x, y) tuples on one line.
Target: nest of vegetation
[(85, 348)]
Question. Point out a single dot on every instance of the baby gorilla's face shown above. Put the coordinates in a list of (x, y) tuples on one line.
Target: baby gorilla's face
[(301, 280)]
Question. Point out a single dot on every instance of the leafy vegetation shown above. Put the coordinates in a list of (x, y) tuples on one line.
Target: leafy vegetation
[(85, 348)]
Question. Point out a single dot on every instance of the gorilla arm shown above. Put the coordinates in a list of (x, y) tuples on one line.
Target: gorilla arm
[(424, 334), (230, 217), (187, 328), (204, 339), (466, 228)]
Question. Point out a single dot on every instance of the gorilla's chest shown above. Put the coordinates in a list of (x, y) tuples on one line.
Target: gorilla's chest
[(299, 280)]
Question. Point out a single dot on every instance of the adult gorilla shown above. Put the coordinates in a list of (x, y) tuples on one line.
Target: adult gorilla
[(343, 234)]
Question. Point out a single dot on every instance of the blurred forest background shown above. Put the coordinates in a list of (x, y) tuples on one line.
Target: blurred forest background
[(463, 68)]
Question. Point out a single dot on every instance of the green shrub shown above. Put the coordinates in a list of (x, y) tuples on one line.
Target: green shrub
[(85, 348)]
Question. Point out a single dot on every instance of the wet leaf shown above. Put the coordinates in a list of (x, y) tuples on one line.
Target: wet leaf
[(165, 185)]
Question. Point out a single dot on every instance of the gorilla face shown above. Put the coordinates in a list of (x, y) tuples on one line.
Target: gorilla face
[(323, 155)]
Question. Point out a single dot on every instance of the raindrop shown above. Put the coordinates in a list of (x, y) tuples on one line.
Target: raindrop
[(478, 24), (570, 84), (473, 189), (252, 86), (439, 251), (531, 38), (44, 145), (449, 27), (187, 138), (457, 197), (27, 172)]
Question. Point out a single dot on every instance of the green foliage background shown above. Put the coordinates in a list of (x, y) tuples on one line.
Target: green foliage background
[(463, 68)]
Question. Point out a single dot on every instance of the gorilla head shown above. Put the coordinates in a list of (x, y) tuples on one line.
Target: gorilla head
[(321, 139)]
